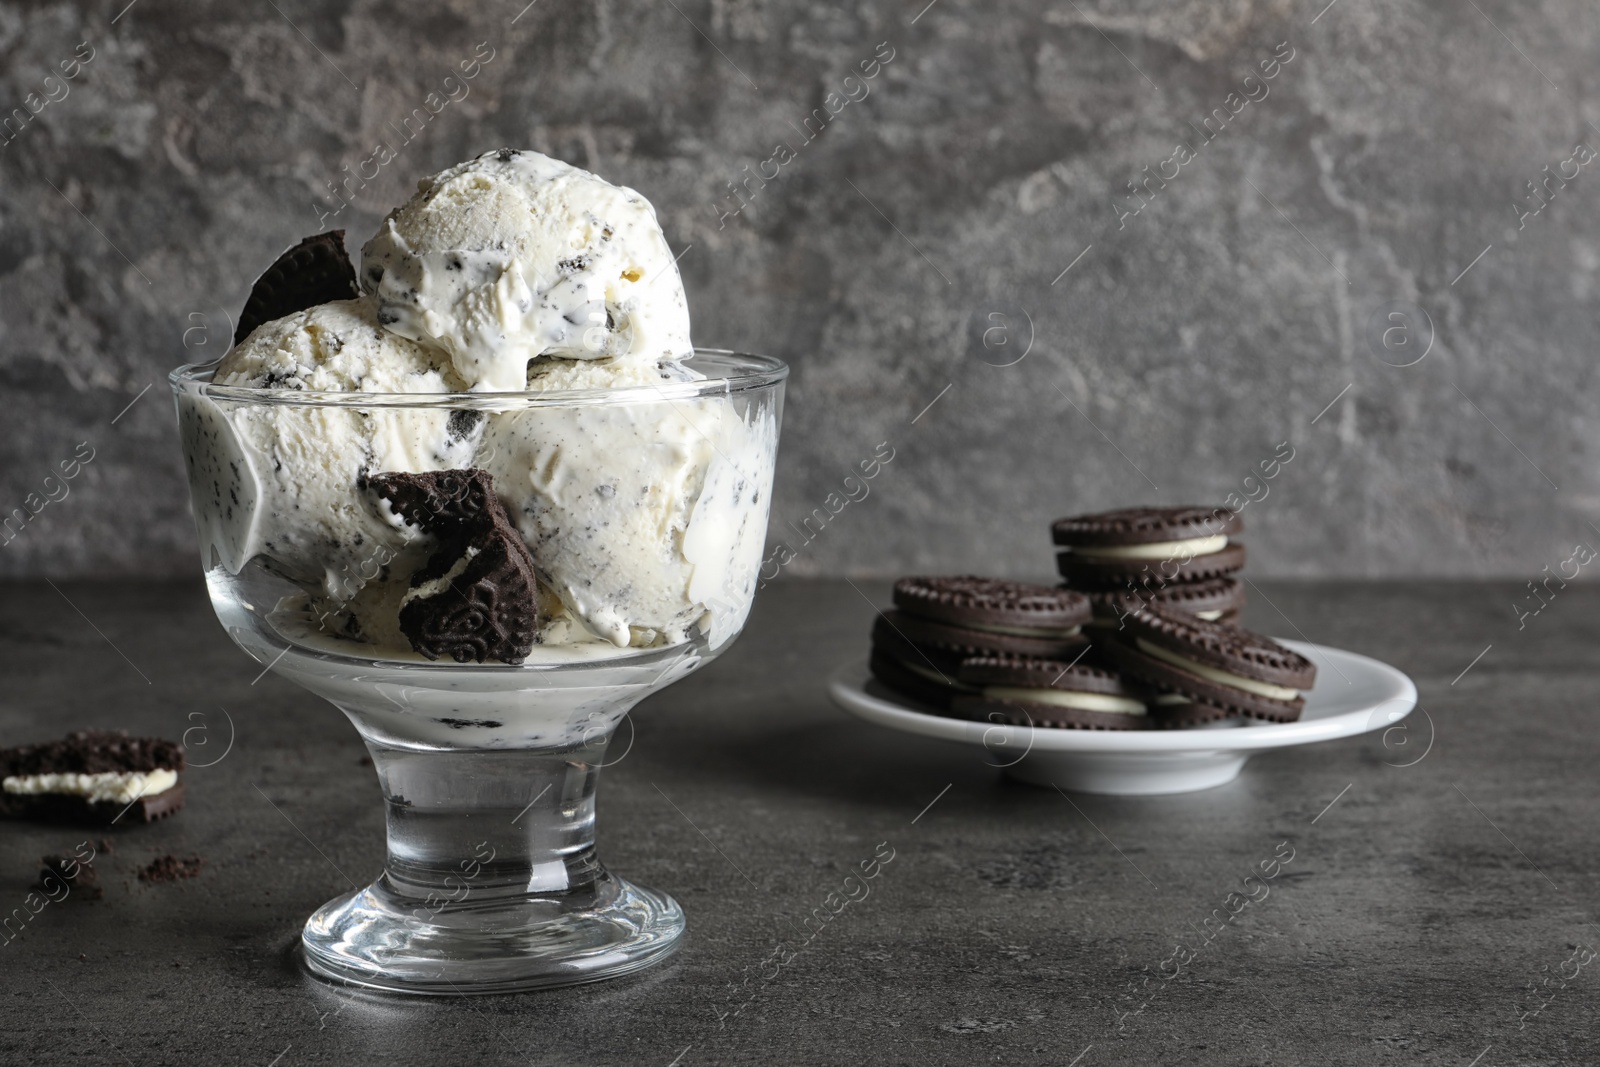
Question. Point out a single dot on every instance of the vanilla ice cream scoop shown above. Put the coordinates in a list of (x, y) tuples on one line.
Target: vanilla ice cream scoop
[(280, 480), (514, 255), (640, 489), (646, 518)]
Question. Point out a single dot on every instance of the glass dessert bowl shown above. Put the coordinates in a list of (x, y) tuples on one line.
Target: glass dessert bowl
[(486, 622)]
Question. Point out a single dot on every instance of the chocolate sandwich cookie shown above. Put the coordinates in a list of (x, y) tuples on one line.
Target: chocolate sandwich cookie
[(315, 271), (1212, 599), (975, 616), (1212, 663), (908, 680), (926, 673), (92, 776), (1174, 711), (1152, 547), (888, 638), (1020, 691), (477, 596)]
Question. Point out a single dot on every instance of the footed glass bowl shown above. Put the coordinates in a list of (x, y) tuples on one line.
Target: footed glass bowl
[(491, 882)]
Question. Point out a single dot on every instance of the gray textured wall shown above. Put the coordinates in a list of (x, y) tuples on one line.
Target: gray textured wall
[(1180, 350)]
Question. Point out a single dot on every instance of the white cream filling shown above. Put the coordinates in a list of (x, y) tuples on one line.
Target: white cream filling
[(112, 786), (1189, 546), (1212, 674), (1209, 616), (435, 586), (1169, 699), (935, 677), (1024, 631), (1062, 698)]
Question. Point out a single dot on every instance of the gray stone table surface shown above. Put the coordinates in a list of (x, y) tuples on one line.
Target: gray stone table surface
[(1431, 912)]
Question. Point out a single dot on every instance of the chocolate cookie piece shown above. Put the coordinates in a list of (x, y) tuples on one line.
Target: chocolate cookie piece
[(1144, 526), (87, 752), (1225, 648), (1174, 711), (443, 503), (938, 622), (1054, 693), (1212, 663), (889, 639), (170, 868), (1152, 547), (1213, 599), (315, 271), (909, 682), (486, 610), (993, 605), (1031, 672), (925, 673), (70, 874), (965, 641), (477, 597), (1095, 572), (93, 752), (65, 808)]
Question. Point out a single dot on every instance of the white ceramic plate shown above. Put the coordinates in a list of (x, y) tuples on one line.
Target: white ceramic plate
[(1353, 695)]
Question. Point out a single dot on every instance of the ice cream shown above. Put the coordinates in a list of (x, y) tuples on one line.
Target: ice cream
[(637, 514), (513, 256), (298, 466), (641, 495)]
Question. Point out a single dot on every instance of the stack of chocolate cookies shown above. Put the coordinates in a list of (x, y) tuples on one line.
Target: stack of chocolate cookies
[(1001, 652), (1155, 591), (1183, 559), (1202, 672), (938, 623), (1166, 594)]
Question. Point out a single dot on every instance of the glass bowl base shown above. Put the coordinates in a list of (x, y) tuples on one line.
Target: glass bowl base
[(379, 939)]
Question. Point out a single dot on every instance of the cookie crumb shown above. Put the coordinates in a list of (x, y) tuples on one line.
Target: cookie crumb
[(64, 874), (170, 868)]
